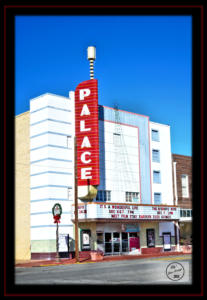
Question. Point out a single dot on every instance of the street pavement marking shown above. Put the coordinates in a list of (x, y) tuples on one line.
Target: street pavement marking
[(52, 265), (49, 265), (172, 258), (90, 262)]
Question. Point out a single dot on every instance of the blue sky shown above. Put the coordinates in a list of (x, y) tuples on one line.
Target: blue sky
[(143, 64)]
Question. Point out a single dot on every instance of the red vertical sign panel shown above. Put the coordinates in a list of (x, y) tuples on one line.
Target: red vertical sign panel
[(87, 133)]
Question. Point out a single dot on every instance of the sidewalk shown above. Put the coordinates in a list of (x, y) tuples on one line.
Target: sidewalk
[(66, 261)]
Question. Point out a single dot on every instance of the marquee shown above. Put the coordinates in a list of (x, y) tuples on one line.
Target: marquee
[(128, 212)]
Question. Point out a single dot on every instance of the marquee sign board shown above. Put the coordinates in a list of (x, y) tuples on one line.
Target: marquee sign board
[(87, 133), (63, 242), (128, 212)]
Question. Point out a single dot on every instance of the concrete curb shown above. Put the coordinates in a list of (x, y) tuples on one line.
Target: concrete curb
[(65, 261)]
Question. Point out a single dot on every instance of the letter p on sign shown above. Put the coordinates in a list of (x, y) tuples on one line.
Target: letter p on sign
[(84, 93)]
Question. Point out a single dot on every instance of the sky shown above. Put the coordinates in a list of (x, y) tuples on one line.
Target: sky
[(143, 65)]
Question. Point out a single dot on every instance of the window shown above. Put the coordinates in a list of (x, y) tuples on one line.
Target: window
[(157, 198), (117, 139), (70, 194), (184, 185), (156, 177), (155, 135), (186, 213), (132, 197), (69, 141), (99, 196), (155, 155), (108, 195), (103, 196)]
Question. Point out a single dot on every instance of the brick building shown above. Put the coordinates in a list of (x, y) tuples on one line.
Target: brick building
[(182, 188)]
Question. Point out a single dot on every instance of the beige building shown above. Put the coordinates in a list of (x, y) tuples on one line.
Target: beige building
[(22, 187)]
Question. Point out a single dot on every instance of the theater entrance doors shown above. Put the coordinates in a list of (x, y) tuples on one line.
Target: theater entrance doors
[(120, 242)]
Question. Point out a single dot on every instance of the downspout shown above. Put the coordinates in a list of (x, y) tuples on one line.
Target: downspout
[(175, 183), (176, 203)]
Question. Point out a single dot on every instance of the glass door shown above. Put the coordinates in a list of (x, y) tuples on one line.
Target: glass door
[(116, 242), (125, 245), (108, 242)]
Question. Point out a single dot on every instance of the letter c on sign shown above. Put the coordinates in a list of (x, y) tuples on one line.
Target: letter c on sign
[(84, 93), (83, 157)]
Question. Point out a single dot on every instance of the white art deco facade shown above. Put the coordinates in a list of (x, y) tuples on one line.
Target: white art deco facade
[(134, 211)]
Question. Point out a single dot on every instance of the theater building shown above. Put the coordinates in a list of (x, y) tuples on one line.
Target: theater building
[(134, 210)]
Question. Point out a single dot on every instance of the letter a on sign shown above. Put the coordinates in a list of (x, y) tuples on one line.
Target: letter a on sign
[(87, 134)]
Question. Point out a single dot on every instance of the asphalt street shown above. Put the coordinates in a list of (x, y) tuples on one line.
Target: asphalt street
[(162, 270)]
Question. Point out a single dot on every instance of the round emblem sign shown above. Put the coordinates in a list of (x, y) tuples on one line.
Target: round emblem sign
[(57, 209), (175, 271)]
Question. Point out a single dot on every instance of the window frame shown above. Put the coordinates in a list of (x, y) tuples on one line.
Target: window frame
[(160, 194), (116, 140), (69, 142), (155, 137), (186, 186), (158, 172), (188, 214), (103, 196), (154, 160), (70, 194), (130, 195)]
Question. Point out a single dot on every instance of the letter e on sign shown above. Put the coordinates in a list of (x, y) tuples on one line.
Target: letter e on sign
[(86, 173)]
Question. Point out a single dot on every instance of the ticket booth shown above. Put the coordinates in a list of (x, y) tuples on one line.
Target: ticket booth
[(134, 243), (133, 232)]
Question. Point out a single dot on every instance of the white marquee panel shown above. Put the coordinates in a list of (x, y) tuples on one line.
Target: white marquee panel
[(122, 211)]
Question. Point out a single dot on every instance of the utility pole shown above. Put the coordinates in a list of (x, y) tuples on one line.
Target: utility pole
[(76, 202)]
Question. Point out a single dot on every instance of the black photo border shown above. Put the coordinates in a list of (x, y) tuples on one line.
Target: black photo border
[(10, 9)]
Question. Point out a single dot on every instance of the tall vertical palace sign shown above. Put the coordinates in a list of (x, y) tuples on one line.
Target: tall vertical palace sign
[(87, 133)]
